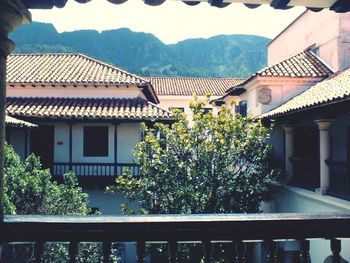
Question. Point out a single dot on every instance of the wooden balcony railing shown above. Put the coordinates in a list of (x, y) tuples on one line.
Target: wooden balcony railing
[(306, 172), (339, 178), (232, 229), (95, 169)]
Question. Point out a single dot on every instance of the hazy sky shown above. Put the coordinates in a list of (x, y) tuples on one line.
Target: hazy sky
[(172, 21)]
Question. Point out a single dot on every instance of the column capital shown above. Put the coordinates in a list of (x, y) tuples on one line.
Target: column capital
[(288, 128), (12, 14), (324, 124)]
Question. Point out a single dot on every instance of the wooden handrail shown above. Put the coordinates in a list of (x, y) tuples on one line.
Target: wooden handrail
[(175, 227)]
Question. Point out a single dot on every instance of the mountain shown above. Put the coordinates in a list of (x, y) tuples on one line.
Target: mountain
[(145, 54)]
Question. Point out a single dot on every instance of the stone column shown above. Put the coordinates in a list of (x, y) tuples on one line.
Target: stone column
[(324, 127), (12, 14), (289, 150)]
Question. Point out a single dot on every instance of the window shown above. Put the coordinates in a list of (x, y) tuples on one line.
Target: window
[(96, 141), (315, 49), (242, 108), (180, 109)]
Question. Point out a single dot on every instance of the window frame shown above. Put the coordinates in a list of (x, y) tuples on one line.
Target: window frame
[(103, 144)]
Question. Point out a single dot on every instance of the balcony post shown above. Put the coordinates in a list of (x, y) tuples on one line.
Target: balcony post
[(289, 150), (324, 126), (12, 14)]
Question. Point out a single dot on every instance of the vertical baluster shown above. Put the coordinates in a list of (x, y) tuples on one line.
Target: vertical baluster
[(304, 256), (140, 251), (207, 249), (38, 252), (271, 251), (106, 250), (336, 248), (172, 251), (73, 250), (240, 252)]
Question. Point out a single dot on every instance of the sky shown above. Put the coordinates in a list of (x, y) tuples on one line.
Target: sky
[(172, 21)]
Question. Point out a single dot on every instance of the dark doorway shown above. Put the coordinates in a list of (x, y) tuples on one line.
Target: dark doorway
[(41, 144), (306, 157)]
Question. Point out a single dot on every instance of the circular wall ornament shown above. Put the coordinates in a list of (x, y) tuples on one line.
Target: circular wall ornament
[(264, 95)]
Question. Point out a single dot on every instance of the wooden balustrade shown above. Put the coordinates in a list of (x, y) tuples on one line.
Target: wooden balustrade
[(339, 178), (232, 229), (95, 169), (306, 173)]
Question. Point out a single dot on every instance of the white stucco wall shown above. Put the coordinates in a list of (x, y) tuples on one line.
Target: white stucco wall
[(282, 90), (109, 204), (78, 144), (128, 134), (326, 29), (168, 102), (74, 92), (17, 140), (297, 200)]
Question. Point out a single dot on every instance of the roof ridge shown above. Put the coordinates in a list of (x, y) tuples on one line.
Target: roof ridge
[(306, 52), (82, 98), (81, 55), (186, 77)]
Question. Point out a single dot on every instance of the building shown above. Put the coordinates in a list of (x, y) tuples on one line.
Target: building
[(88, 115), (178, 92), (278, 83), (12, 14), (304, 93), (327, 34)]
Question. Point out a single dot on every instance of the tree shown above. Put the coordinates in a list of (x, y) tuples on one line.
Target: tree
[(217, 164), (29, 189), (214, 164)]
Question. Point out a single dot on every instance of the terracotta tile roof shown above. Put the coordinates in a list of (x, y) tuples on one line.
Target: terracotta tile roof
[(65, 68), (70, 69), (13, 122), (181, 86), (335, 88), (85, 108), (303, 65)]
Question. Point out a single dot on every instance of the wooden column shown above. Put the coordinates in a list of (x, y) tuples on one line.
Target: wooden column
[(12, 14)]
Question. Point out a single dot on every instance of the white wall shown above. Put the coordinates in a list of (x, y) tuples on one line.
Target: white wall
[(74, 92), (128, 134), (109, 204), (17, 140), (282, 90), (61, 142), (297, 200), (78, 144), (168, 102)]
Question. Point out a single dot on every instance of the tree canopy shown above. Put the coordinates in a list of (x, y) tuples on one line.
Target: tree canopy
[(29, 189), (212, 164)]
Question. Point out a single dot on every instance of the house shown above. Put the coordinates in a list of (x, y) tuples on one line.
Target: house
[(88, 115), (218, 227), (304, 94), (178, 92), (327, 34)]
